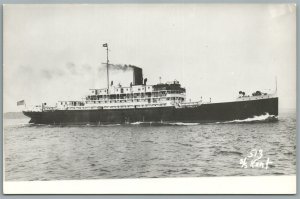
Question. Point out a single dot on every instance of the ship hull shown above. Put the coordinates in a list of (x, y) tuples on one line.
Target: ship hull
[(226, 111)]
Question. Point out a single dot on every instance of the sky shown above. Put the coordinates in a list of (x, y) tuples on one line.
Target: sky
[(54, 52)]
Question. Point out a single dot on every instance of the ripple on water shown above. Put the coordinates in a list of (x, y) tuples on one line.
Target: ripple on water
[(41, 152)]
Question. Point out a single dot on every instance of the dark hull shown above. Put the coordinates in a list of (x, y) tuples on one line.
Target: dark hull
[(205, 113)]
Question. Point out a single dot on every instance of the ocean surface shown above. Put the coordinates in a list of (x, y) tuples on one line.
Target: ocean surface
[(138, 150)]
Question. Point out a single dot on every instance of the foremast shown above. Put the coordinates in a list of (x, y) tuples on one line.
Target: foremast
[(107, 64)]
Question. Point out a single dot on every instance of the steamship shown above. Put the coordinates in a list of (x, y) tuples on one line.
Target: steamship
[(140, 102)]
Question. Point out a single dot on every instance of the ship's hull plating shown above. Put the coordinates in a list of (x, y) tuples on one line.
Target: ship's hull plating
[(204, 113)]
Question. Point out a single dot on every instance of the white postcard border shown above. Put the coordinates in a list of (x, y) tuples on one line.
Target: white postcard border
[(202, 185)]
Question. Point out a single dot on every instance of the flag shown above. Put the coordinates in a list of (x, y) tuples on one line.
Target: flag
[(105, 45), (22, 102)]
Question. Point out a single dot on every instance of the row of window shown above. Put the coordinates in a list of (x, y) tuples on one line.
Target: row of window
[(118, 107), (149, 100), (131, 95), (119, 89), (135, 100), (121, 101)]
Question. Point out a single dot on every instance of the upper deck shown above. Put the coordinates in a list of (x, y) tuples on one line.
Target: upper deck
[(171, 91)]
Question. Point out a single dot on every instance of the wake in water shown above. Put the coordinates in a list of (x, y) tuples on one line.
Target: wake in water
[(164, 123), (256, 119)]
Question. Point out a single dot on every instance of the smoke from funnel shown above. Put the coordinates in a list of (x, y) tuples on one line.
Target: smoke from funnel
[(137, 72), (121, 67)]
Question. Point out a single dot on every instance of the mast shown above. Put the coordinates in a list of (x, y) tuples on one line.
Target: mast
[(107, 63)]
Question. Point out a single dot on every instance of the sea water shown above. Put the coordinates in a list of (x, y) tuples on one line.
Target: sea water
[(139, 150)]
